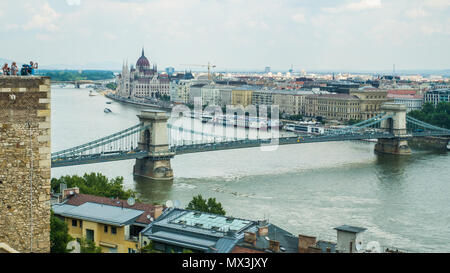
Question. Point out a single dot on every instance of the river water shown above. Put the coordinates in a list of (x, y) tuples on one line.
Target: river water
[(306, 189)]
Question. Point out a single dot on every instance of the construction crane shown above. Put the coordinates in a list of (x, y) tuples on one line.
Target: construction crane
[(203, 65)]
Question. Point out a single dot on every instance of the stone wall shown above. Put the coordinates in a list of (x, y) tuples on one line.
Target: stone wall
[(438, 143), (25, 163)]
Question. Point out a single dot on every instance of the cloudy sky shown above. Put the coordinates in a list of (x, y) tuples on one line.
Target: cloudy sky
[(345, 35)]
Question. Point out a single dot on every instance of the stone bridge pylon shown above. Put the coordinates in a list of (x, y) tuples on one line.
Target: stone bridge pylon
[(154, 139), (396, 125)]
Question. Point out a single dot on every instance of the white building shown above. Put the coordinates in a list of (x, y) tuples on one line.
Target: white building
[(142, 81)]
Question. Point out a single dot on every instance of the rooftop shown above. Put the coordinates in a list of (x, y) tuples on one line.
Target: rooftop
[(80, 199), (98, 213), (350, 229)]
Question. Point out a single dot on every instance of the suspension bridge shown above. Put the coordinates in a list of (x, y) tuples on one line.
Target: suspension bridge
[(154, 141)]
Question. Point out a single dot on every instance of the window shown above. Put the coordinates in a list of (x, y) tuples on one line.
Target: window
[(89, 235), (81, 224), (105, 228), (113, 230), (74, 223)]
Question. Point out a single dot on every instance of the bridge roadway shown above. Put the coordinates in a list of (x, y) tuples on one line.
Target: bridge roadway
[(238, 144), (207, 147)]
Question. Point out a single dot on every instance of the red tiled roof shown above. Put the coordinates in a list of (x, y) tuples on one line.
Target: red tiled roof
[(79, 199), (241, 249)]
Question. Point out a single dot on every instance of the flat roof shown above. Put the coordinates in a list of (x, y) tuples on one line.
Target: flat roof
[(211, 221), (98, 213), (350, 229)]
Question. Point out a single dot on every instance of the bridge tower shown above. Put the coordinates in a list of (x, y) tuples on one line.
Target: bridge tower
[(156, 165), (397, 126)]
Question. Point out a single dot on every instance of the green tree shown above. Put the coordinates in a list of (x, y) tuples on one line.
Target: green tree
[(439, 115), (88, 246), (59, 236), (111, 85), (95, 184), (149, 248), (210, 205)]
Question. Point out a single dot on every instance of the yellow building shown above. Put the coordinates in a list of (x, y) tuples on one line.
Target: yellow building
[(360, 104), (112, 224), (370, 100), (241, 97)]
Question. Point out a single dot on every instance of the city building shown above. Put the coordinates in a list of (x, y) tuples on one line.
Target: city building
[(112, 224), (178, 230), (412, 102), (333, 106), (360, 104), (370, 100), (241, 96), (437, 96), (142, 81)]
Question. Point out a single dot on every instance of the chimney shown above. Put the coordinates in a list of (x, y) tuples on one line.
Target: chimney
[(250, 237), (274, 245), (263, 231), (70, 192), (158, 211), (263, 228), (304, 242), (313, 249)]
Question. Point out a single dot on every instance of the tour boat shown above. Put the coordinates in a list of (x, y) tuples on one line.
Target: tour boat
[(107, 110), (91, 94)]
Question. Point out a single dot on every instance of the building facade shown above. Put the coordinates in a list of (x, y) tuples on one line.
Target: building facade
[(437, 96), (360, 104), (142, 81), (241, 97), (112, 224)]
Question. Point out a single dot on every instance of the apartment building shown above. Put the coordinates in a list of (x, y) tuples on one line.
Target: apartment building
[(112, 224)]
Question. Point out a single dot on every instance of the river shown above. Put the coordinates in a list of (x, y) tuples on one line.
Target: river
[(306, 189)]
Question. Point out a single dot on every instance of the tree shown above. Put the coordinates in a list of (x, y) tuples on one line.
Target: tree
[(111, 85), (95, 184), (59, 236), (210, 205), (88, 246), (439, 115)]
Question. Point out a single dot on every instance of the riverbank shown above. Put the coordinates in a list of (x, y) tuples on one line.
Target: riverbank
[(120, 99), (438, 143)]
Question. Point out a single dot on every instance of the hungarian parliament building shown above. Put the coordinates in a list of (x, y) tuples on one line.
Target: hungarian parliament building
[(142, 81)]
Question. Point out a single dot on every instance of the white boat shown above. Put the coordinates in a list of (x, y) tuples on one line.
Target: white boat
[(91, 93), (107, 110)]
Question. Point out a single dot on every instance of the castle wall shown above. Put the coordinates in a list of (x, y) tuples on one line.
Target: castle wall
[(25, 163)]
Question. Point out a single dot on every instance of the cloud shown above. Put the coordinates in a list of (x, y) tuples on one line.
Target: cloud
[(437, 3), (73, 2), (299, 18), (354, 6), (44, 20), (416, 13)]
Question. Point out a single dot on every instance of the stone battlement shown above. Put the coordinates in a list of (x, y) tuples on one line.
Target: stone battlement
[(25, 162)]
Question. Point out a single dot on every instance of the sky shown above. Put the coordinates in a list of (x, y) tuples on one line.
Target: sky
[(341, 35)]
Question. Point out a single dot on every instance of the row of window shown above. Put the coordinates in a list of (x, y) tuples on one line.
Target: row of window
[(105, 227)]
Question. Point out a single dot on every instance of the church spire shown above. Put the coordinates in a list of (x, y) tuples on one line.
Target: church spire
[(142, 51)]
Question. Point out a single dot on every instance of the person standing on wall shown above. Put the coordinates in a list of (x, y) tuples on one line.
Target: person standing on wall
[(6, 69), (14, 69)]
